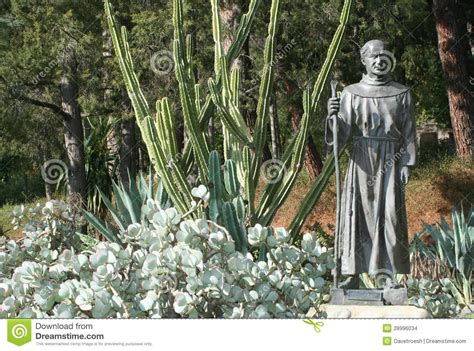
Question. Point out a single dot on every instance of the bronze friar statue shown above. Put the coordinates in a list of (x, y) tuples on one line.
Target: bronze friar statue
[(376, 116)]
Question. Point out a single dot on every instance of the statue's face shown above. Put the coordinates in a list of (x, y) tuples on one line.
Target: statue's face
[(375, 61)]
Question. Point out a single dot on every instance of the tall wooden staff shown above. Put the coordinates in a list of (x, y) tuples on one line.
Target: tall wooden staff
[(338, 190)]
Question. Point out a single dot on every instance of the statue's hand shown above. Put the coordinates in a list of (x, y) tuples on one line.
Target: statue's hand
[(405, 175), (333, 106)]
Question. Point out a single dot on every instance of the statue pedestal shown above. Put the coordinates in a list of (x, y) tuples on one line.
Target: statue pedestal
[(360, 311), (371, 303), (369, 297)]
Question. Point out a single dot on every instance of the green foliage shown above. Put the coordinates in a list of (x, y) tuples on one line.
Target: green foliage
[(140, 197), (455, 248), (224, 94), (100, 162)]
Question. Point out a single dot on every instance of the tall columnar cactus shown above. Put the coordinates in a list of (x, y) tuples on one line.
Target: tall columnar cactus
[(243, 150)]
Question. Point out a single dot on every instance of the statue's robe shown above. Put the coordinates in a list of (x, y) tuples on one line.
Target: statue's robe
[(377, 117)]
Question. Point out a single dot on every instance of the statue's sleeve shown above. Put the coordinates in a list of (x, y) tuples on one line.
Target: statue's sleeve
[(344, 121), (409, 132)]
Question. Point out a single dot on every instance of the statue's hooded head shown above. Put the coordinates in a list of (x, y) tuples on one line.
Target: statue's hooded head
[(377, 59)]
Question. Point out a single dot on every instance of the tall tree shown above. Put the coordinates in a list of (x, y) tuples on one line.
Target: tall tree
[(453, 47), (73, 131), (52, 62)]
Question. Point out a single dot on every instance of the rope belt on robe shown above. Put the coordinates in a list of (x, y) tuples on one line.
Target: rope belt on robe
[(363, 137)]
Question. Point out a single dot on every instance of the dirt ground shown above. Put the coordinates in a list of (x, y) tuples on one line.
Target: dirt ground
[(432, 192)]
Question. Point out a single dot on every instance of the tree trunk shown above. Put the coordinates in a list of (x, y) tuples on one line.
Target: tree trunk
[(312, 158), (45, 153), (229, 12), (127, 145), (73, 134), (453, 48)]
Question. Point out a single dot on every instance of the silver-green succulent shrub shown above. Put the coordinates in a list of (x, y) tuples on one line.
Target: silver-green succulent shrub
[(171, 267), (56, 220), (433, 296)]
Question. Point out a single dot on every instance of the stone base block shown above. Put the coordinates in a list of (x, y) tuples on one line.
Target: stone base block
[(358, 311), (371, 297)]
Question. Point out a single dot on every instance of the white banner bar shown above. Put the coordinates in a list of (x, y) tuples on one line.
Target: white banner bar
[(367, 334)]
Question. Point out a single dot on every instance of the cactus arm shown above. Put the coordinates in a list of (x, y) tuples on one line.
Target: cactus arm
[(186, 92), (231, 180), (137, 98), (178, 25), (271, 189), (239, 205), (234, 226), (190, 115), (235, 78), (266, 213), (331, 56), (175, 182), (159, 124), (189, 65), (165, 126), (229, 115), (248, 183), (266, 86), (205, 112), (242, 32), (169, 127), (292, 172), (143, 115), (215, 186), (216, 34), (197, 96)]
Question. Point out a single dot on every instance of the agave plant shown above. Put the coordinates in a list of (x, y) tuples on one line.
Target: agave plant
[(222, 103), (226, 204), (128, 206), (455, 248)]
